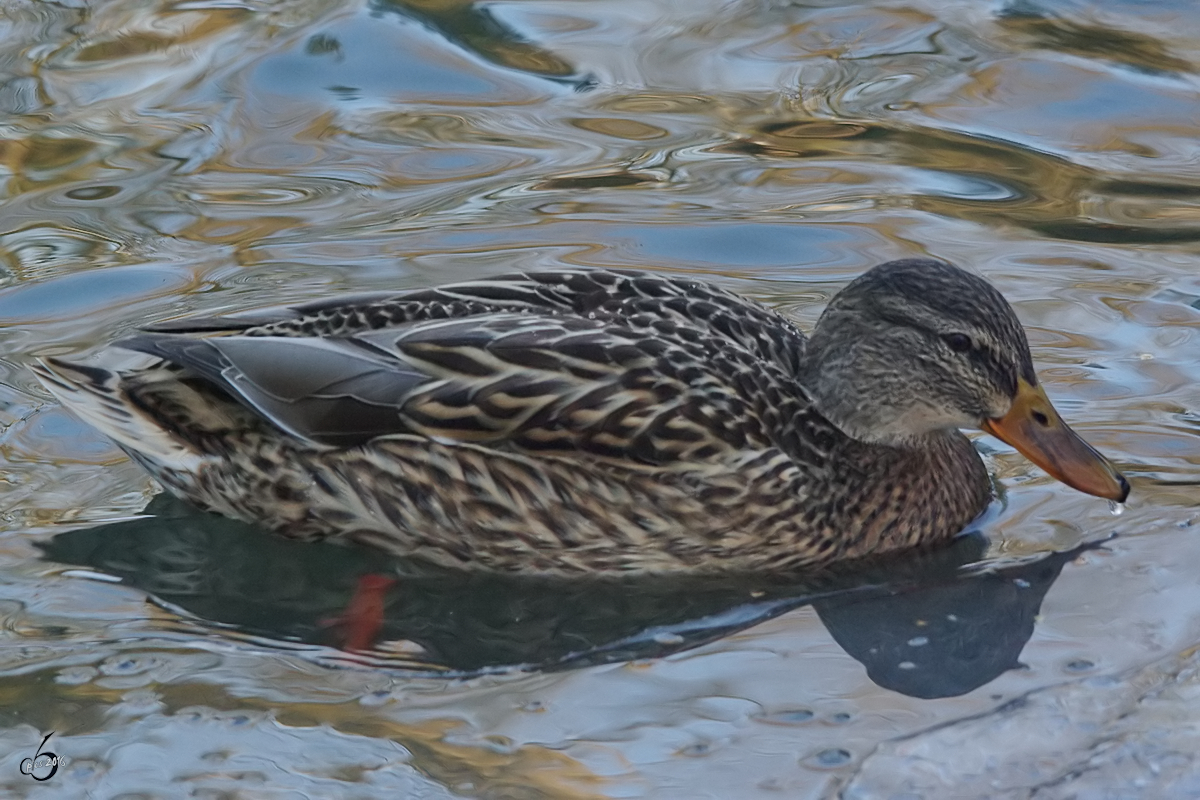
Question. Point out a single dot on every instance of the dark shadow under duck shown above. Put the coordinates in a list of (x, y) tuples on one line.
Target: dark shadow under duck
[(928, 623), (594, 421)]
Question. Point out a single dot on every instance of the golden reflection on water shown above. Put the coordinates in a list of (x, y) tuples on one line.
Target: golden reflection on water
[(164, 158), (494, 769)]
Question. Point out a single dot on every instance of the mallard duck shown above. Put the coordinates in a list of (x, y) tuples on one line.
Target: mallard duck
[(593, 420)]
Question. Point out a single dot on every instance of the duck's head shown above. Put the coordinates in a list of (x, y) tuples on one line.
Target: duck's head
[(917, 346)]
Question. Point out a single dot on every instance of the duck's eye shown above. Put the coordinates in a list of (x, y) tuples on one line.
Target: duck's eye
[(958, 342)]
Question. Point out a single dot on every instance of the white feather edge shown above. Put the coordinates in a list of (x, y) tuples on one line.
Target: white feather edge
[(103, 406)]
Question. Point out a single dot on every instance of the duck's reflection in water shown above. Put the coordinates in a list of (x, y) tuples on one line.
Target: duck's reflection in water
[(473, 27), (925, 625)]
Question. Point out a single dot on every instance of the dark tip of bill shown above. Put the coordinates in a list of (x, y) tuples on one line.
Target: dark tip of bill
[(1124, 484)]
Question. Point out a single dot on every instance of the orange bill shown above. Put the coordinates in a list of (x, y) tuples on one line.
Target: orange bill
[(1039, 433)]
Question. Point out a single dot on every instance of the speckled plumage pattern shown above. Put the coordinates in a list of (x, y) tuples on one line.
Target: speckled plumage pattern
[(561, 422)]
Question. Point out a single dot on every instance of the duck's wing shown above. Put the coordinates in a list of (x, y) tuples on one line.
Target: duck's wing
[(622, 296), (662, 394), (325, 391)]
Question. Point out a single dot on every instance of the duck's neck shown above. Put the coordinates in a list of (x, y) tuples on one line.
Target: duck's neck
[(850, 403), (909, 495)]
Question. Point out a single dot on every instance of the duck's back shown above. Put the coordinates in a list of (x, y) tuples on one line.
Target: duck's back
[(622, 366), (630, 295)]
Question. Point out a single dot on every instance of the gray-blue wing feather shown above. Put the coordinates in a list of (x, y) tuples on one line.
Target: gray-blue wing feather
[(328, 391)]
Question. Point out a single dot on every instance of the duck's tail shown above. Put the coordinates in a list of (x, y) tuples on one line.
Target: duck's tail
[(97, 396)]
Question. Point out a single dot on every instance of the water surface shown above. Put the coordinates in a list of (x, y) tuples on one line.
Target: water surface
[(163, 158)]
